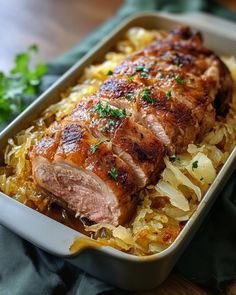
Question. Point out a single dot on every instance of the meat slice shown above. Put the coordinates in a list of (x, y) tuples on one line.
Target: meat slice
[(133, 143), (84, 175), (171, 121)]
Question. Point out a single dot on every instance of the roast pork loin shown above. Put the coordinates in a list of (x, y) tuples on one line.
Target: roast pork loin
[(112, 144)]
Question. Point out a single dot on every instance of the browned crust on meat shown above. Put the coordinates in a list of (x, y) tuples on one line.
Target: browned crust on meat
[(145, 149)]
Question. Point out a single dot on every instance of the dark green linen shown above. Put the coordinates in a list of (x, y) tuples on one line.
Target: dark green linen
[(210, 259)]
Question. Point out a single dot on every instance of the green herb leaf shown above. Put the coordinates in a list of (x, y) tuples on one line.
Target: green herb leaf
[(104, 129), (113, 173), (110, 72), (194, 165), (95, 147), (129, 95), (168, 94), (174, 158), (117, 113), (139, 68), (18, 88), (130, 77), (144, 75), (33, 48), (143, 70), (178, 80), (109, 124), (179, 65), (107, 110), (146, 95), (160, 76), (201, 178), (112, 123)]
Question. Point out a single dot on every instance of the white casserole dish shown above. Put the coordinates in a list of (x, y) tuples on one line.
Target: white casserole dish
[(118, 268)]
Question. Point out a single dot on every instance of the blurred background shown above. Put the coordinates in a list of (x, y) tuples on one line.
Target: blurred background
[(55, 25)]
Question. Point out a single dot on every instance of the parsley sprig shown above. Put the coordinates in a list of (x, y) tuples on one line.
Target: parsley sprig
[(19, 87), (168, 94), (95, 147), (174, 158), (178, 80), (109, 124), (110, 72), (129, 95), (144, 70), (194, 165), (130, 77), (146, 95), (113, 173), (160, 76), (107, 110)]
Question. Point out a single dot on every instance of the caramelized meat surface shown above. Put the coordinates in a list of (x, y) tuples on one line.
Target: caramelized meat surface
[(133, 143), (112, 144), (85, 175)]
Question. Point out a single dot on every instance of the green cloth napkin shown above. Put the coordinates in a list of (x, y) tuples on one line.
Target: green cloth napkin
[(209, 260)]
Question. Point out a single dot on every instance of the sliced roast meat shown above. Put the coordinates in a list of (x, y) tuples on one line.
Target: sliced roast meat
[(112, 144), (85, 175), (133, 143)]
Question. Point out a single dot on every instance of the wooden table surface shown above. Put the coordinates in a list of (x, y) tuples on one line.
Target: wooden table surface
[(56, 25)]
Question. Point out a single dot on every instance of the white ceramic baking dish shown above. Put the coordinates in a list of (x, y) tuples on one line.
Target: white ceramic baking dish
[(118, 268)]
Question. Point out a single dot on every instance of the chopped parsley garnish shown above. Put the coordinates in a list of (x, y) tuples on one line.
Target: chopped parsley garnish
[(139, 68), (168, 94), (108, 125), (129, 95), (143, 70), (160, 76), (101, 109), (112, 123), (179, 65), (174, 158), (110, 72), (146, 95), (178, 80), (104, 129), (95, 147), (118, 113), (130, 77), (194, 165), (144, 75), (113, 173), (107, 110)]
